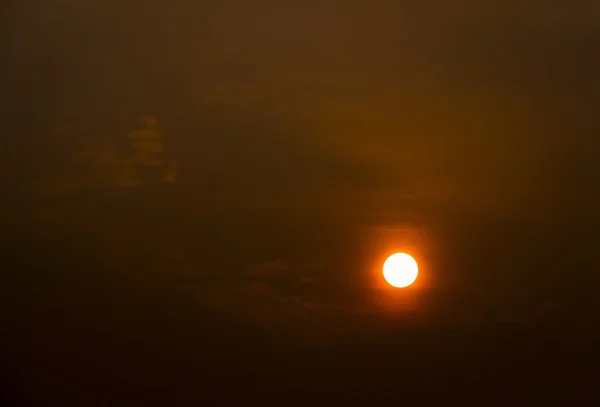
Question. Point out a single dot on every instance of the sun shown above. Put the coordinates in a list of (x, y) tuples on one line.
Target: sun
[(400, 270)]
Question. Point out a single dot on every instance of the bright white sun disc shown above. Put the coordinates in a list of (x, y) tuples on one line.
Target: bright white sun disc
[(400, 270)]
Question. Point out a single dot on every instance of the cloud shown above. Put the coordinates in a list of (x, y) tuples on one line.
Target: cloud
[(289, 318), (317, 306), (258, 289), (271, 268), (465, 107), (296, 273)]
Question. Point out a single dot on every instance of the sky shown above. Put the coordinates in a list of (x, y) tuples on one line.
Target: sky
[(304, 142), (308, 119)]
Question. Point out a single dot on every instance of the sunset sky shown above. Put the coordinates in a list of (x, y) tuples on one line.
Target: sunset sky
[(198, 197), (301, 119)]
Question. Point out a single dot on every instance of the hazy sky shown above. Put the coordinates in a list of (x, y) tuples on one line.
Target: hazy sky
[(315, 138), (364, 110)]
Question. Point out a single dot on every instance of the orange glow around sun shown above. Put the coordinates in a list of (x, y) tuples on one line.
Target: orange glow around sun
[(400, 270)]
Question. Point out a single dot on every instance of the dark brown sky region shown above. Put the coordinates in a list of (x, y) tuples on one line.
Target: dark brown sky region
[(306, 140)]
